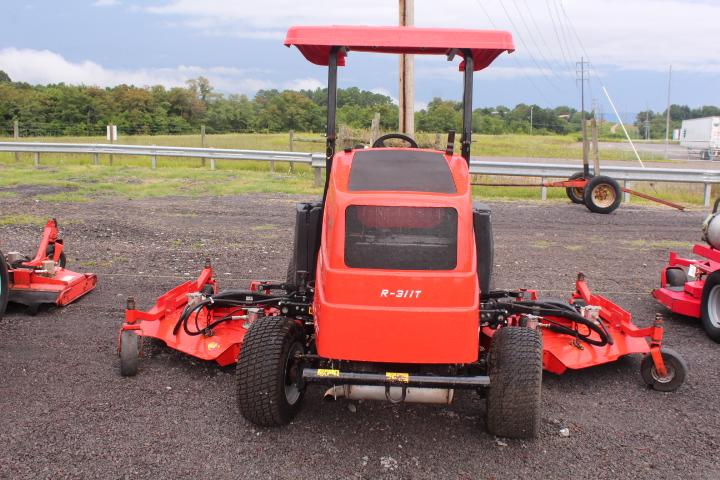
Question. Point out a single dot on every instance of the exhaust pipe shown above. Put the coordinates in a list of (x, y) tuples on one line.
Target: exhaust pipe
[(391, 393)]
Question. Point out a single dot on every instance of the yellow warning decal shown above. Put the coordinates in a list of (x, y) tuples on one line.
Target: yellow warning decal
[(213, 346), (398, 377), (328, 372)]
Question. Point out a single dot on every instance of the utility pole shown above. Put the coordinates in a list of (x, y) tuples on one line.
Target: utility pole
[(667, 115), (407, 74), (580, 71), (531, 123)]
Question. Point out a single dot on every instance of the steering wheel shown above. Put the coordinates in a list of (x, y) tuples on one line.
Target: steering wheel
[(380, 142)]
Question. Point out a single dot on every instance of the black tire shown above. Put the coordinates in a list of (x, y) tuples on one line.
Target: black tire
[(602, 194), (269, 387), (515, 369), (676, 277), (4, 284), (576, 194), (710, 307), (291, 272), (677, 371), (62, 261), (129, 353)]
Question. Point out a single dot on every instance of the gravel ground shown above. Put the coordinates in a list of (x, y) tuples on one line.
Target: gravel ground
[(66, 412)]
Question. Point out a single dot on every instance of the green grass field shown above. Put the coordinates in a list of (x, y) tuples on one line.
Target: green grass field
[(130, 176)]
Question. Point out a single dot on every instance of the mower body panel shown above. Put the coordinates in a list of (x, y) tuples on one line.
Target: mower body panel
[(385, 293), (688, 299)]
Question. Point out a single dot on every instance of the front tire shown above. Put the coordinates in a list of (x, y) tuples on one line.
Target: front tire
[(515, 369), (4, 284), (710, 307), (676, 371), (129, 353), (269, 371), (602, 194)]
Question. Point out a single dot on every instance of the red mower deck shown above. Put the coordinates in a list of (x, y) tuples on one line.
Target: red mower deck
[(44, 280)]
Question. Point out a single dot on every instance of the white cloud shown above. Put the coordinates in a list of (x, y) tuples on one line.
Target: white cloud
[(105, 3), (44, 66), (624, 34), (304, 84), (386, 92)]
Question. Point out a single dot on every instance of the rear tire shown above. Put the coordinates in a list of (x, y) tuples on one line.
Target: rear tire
[(515, 369), (675, 365), (710, 307), (602, 194), (576, 194), (129, 353), (269, 383), (4, 284)]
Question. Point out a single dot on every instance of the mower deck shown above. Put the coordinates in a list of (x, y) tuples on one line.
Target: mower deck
[(44, 279), (687, 287), (576, 347)]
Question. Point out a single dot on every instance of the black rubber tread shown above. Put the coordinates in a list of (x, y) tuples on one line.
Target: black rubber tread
[(712, 331), (676, 276), (673, 361), (594, 182), (4, 284), (571, 191), (291, 273), (515, 369), (260, 372), (129, 353)]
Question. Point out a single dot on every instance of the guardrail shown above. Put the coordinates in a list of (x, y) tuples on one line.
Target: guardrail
[(317, 162)]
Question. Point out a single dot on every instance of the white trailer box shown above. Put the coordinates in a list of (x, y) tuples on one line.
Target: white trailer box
[(702, 136)]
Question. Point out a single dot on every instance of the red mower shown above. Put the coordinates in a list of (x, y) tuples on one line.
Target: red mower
[(44, 280), (691, 287), (388, 292)]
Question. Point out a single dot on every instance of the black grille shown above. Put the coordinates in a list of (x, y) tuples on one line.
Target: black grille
[(401, 238)]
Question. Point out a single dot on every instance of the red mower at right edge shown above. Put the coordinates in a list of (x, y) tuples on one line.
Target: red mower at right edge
[(691, 287)]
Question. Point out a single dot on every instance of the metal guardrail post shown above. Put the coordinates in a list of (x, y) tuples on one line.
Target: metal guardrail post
[(708, 191), (96, 159), (212, 164), (153, 161), (626, 195), (37, 159), (318, 176), (543, 189)]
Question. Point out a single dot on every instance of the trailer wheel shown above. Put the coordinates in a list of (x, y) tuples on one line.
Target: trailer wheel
[(515, 369), (269, 372), (576, 194), (602, 194), (4, 284), (710, 307), (676, 371), (129, 353)]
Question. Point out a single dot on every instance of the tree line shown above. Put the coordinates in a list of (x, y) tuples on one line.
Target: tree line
[(652, 125), (60, 109)]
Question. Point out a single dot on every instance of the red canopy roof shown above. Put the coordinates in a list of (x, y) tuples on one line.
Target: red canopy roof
[(315, 42)]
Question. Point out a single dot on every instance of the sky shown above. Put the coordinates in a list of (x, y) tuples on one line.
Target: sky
[(238, 45)]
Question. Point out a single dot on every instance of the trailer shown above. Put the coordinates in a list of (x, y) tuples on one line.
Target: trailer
[(702, 136)]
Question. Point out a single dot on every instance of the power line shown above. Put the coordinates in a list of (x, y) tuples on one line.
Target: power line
[(529, 52), (566, 58), (517, 62), (532, 37), (546, 44)]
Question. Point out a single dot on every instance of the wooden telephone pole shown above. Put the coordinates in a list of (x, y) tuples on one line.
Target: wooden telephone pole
[(407, 74)]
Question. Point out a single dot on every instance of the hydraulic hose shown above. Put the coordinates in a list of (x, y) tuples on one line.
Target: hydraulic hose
[(552, 310)]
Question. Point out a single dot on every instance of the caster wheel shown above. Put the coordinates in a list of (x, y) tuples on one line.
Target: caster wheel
[(676, 371), (129, 353)]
